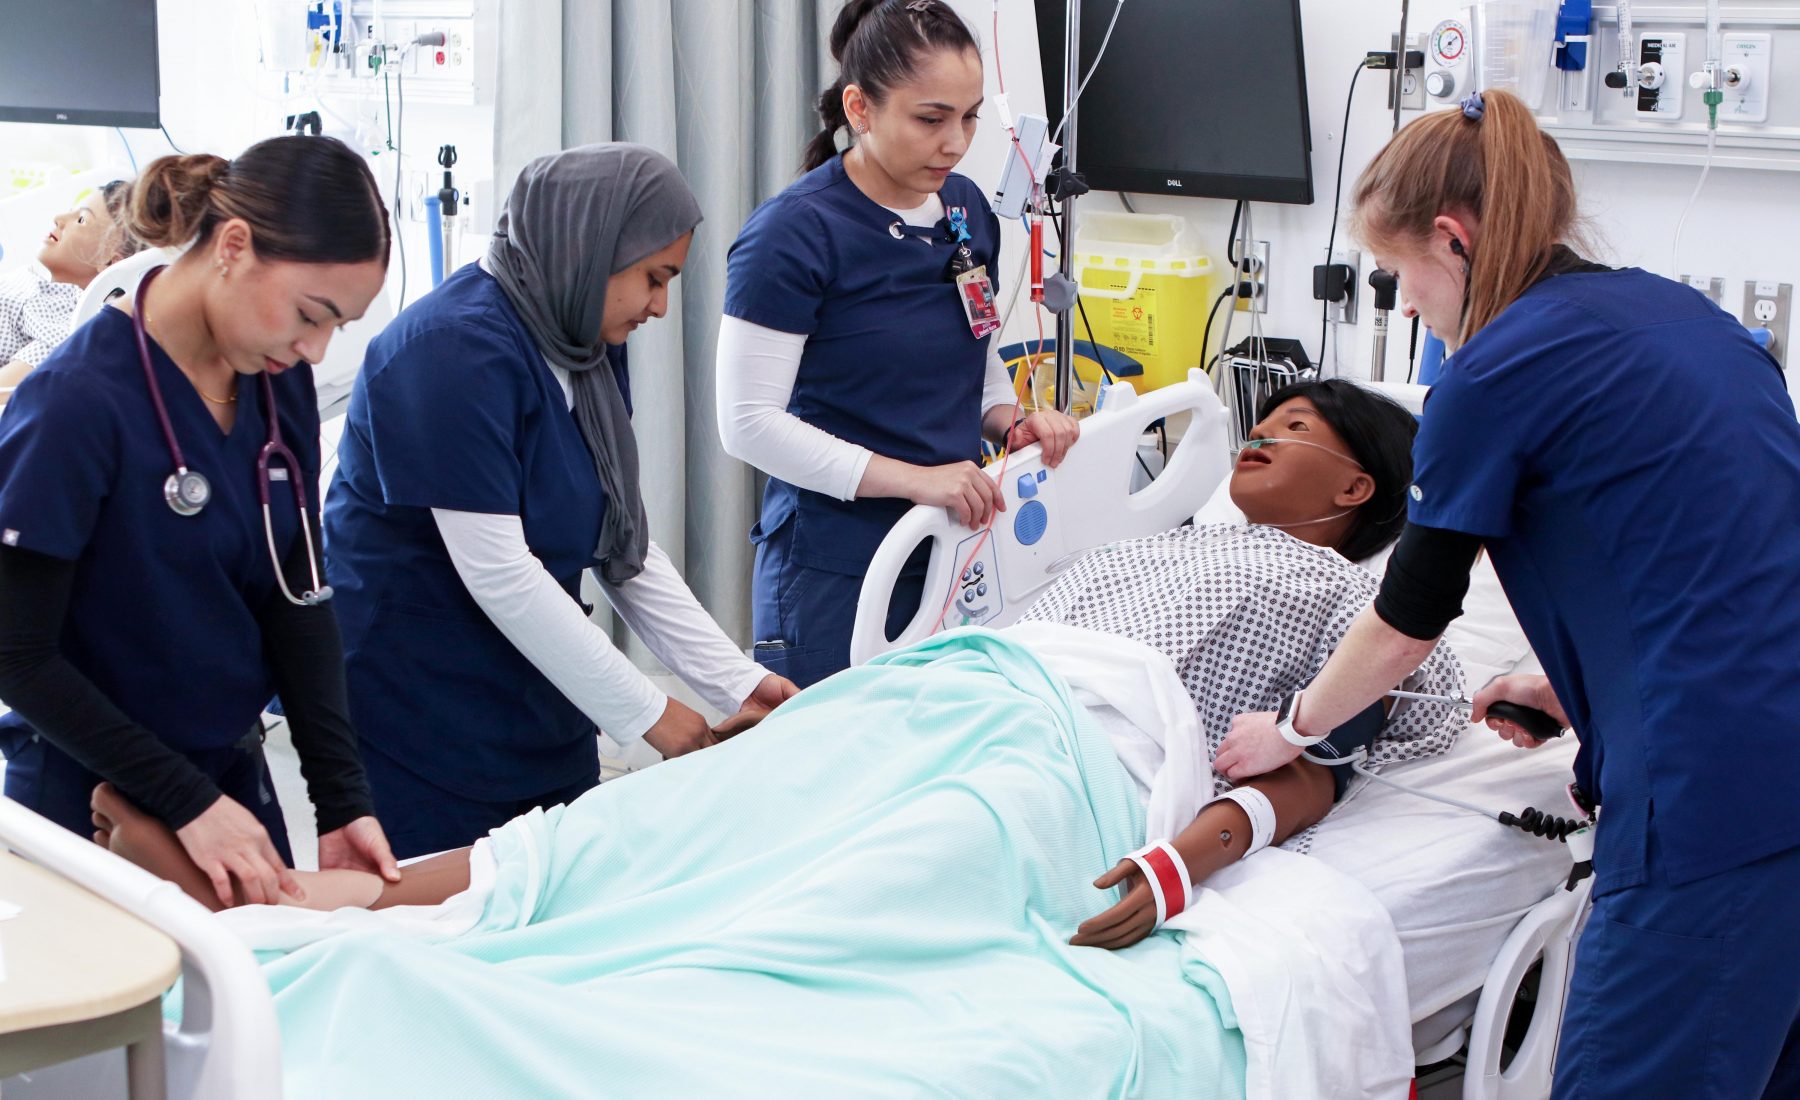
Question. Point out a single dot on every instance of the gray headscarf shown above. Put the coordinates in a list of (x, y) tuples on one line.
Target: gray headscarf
[(574, 219)]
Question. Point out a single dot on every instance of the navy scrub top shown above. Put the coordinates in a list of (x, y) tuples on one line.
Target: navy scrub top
[(889, 363), (162, 617), (1632, 460), (457, 409)]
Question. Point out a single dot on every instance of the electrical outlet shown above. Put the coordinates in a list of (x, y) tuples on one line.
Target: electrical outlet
[(1411, 82), (1770, 305), (1713, 288), (1259, 274), (1344, 312)]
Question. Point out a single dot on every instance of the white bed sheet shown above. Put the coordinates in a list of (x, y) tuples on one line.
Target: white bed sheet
[(1455, 884)]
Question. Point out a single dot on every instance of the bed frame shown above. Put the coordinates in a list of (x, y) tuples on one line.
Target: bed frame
[(1085, 503)]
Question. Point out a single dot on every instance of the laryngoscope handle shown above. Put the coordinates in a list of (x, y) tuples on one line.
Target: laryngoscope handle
[(1537, 723)]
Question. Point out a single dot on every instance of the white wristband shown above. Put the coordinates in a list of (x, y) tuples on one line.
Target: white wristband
[(1162, 867), (1260, 810)]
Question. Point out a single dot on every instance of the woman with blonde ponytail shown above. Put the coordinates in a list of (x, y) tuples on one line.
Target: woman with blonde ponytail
[(858, 363), (148, 567), (1631, 459)]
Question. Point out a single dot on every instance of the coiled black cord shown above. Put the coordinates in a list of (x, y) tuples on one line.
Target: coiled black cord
[(1538, 823)]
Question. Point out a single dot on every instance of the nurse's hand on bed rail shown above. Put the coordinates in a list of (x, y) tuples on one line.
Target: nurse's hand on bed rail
[(962, 487), (227, 842), (1253, 747), (679, 731), (359, 846), (1056, 431), (1531, 691), (1125, 923)]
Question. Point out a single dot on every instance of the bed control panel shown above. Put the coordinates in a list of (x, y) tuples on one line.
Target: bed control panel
[(989, 578)]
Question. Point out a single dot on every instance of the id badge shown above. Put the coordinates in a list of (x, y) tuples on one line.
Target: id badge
[(977, 293)]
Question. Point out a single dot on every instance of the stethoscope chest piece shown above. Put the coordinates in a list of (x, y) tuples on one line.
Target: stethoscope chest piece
[(187, 492)]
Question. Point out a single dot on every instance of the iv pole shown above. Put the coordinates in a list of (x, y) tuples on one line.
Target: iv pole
[(1065, 320)]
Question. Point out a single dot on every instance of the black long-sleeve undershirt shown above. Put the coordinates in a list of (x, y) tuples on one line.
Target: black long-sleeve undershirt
[(1426, 580), (70, 711)]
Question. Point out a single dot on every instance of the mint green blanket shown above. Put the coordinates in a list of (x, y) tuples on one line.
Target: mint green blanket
[(869, 895)]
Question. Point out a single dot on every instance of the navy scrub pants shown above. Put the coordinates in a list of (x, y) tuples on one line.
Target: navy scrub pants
[(802, 617), (1690, 992), (48, 781)]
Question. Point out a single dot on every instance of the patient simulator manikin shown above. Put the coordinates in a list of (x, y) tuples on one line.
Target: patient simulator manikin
[(1317, 493)]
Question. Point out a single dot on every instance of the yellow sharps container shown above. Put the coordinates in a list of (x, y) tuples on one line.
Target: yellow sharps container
[(1146, 287)]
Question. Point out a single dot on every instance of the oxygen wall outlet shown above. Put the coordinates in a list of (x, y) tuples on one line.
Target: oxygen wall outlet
[(1746, 78), (1770, 305)]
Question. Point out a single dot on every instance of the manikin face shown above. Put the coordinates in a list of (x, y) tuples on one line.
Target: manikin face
[(1306, 474), (80, 243), (920, 132), (641, 291)]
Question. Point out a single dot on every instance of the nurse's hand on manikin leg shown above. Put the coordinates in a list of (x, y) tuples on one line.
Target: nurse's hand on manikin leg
[(1301, 794), (132, 834)]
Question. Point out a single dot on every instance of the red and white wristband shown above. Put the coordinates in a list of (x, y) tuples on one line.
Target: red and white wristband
[(1162, 867)]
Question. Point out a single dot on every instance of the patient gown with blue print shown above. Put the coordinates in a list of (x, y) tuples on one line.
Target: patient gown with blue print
[(869, 895)]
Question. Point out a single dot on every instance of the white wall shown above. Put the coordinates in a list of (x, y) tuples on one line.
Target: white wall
[(1745, 227)]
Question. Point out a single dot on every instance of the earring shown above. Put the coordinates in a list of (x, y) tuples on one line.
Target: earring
[(223, 270)]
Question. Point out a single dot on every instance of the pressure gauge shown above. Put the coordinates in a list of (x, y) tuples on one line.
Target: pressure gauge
[(1448, 41)]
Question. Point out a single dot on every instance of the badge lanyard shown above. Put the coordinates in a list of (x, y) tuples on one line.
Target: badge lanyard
[(973, 287)]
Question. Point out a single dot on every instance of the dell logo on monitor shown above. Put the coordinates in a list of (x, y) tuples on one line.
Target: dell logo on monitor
[(1172, 183)]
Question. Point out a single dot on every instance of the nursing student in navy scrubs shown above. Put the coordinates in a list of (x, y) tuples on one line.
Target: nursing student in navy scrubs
[(488, 461), (848, 369), (150, 603), (1631, 459)]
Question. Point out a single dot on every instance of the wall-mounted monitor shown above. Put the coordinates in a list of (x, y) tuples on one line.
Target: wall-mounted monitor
[(1193, 97), (81, 62)]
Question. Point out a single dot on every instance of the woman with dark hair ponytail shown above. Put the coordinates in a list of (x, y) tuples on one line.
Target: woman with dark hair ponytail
[(1631, 460), (160, 576), (856, 362)]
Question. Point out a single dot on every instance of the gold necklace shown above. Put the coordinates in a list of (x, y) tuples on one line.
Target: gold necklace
[(231, 400)]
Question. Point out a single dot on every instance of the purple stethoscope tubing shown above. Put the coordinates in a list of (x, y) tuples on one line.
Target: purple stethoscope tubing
[(187, 491)]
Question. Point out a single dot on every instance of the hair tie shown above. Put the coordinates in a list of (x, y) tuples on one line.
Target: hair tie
[(1474, 106)]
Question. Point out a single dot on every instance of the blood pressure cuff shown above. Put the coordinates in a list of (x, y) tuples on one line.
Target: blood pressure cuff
[(1358, 733)]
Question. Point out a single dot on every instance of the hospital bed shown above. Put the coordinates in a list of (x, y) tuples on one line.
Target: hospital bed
[(1477, 906), (1467, 951)]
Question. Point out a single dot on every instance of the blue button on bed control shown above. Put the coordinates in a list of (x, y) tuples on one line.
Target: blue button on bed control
[(980, 568), (1031, 522), (1027, 487), (981, 589), (968, 596)]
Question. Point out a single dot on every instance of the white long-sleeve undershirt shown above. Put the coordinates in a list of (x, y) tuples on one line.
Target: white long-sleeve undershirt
[(757, 368), (532, 611)]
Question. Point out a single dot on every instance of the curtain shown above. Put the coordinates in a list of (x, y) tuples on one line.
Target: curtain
[(725, 88)]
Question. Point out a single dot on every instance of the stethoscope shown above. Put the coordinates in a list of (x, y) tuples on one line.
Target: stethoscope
[(188, 492)]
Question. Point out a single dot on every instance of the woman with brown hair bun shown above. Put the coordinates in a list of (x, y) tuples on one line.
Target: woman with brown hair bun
[(159, 569), (1631, 459)]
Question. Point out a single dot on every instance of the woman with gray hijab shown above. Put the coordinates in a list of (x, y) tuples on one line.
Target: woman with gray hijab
[(487, 460)]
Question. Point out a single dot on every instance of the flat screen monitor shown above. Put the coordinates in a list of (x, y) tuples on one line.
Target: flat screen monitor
[(81, 62), (1193, 97)]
